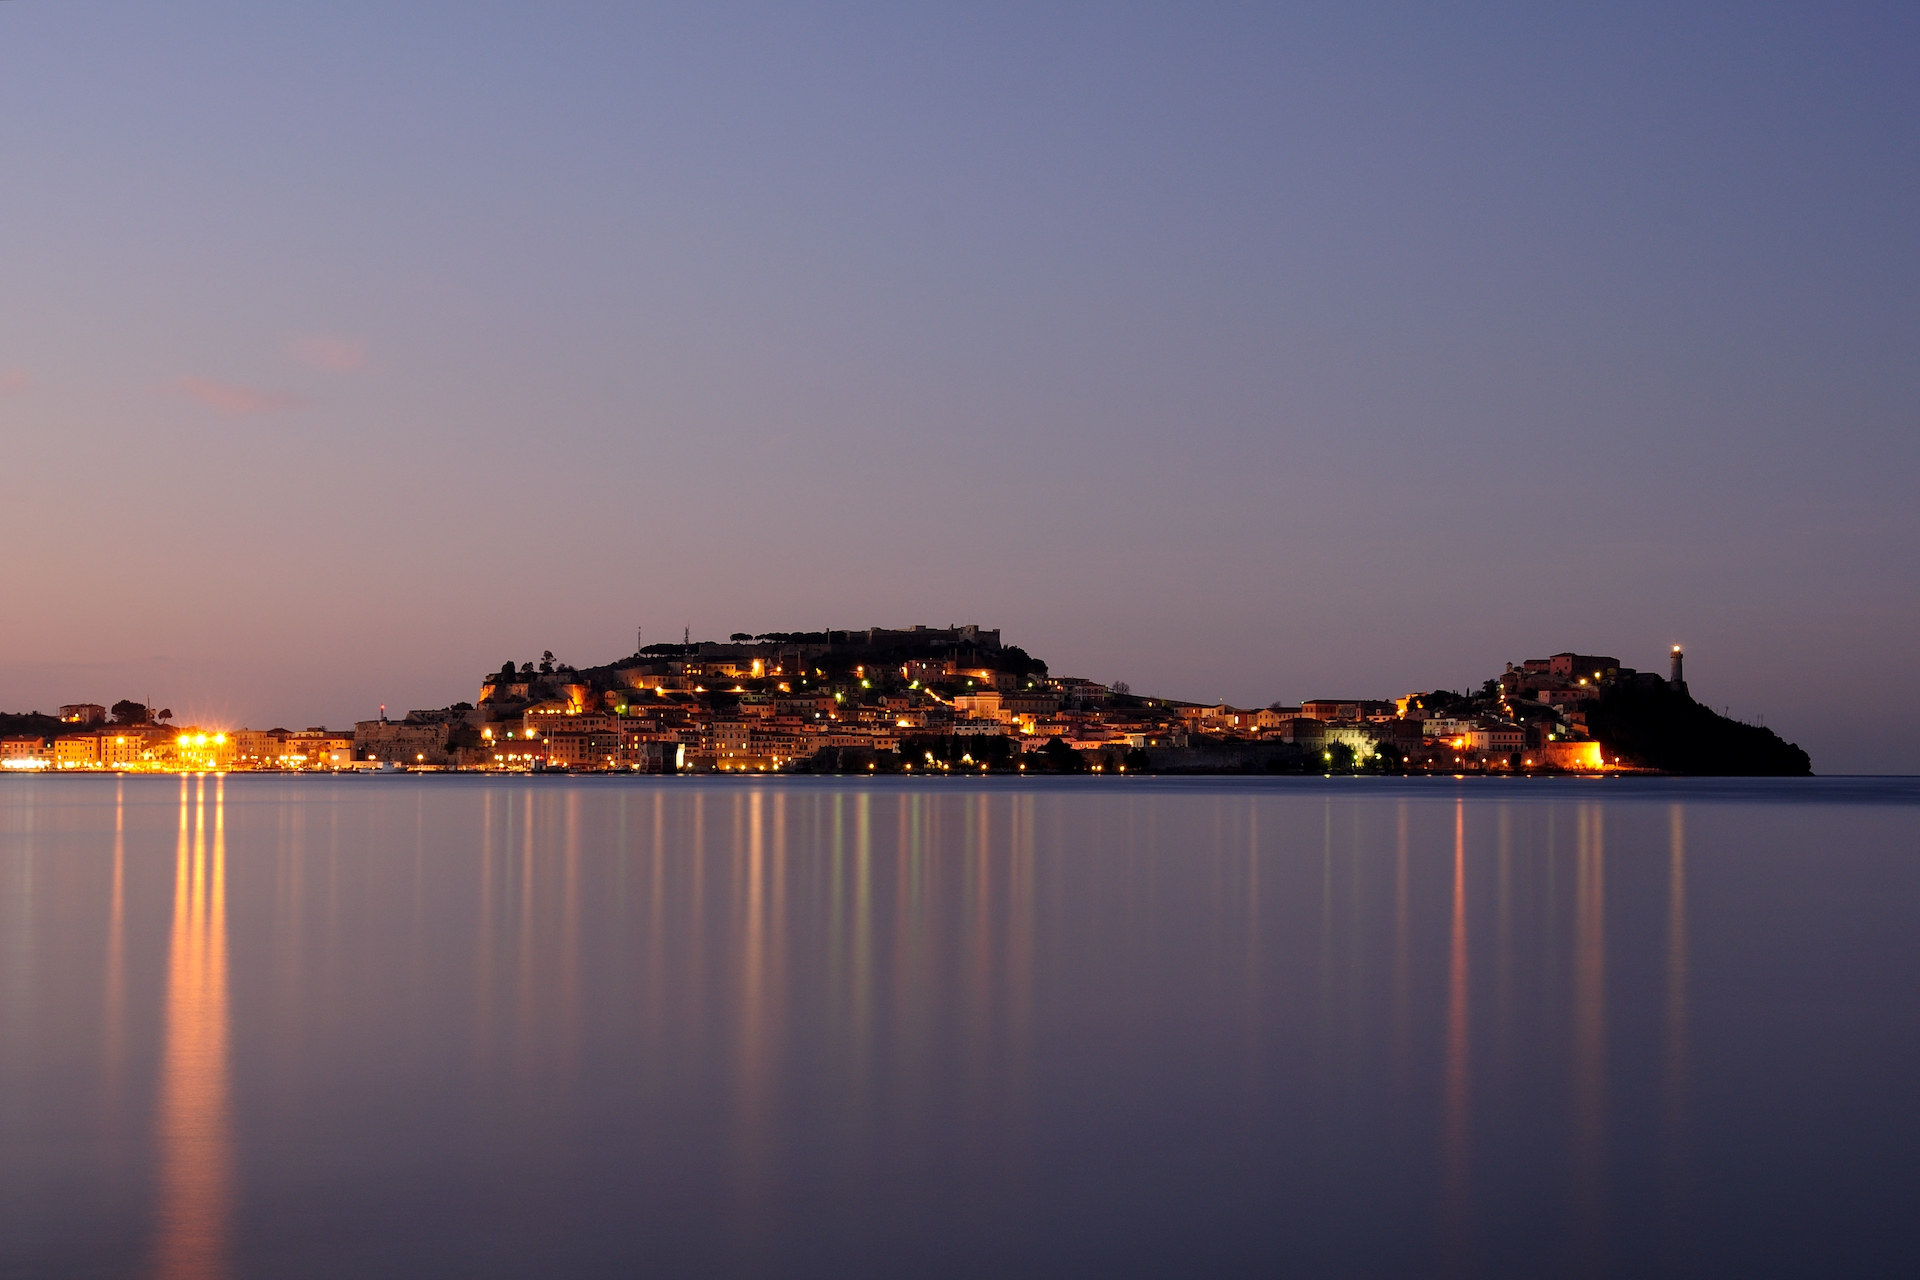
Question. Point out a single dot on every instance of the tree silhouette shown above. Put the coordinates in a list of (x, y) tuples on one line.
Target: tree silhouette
[(1062, 757)]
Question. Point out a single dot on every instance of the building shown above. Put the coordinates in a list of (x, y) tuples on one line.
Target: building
[(119, 750), (258, 748), (317, 748), (1577, 666), (982, 706), (25, 753), (1345, 708), (653, 757), (91, 713), (1497, 739), (195, 749), (1583, 757), (76, 750), (582, 750), (1303, 730), (1076, 692), (537, 722), (1362, 742), (400, 742)]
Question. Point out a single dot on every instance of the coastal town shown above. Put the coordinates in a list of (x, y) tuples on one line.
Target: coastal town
[(930, 700)]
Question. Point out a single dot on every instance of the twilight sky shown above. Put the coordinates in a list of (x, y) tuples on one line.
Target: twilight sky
[(1244, 352)]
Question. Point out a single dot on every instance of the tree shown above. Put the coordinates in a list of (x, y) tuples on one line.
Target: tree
[(526, 668), (740, 637), (506, 669), (996, 751), (1014, 659), (1120, 687), (1388, 758), (1061, 757), (1338, 758), (127, 711), (546, 663), (165, 713)]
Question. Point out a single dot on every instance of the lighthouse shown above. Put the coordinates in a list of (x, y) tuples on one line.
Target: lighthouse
[(1677, 681)]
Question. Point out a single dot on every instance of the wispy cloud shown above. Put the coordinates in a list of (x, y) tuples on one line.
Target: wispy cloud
[(14, 381), (329, 352), (229, 399)]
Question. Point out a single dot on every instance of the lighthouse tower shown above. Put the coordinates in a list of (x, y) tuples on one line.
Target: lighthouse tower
[(1677, 681)]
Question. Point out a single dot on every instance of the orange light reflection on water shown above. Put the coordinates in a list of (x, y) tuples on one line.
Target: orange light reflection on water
[(1455, 1121), (194, 1126)]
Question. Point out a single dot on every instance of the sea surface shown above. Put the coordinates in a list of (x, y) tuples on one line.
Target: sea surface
[(416, 1026)]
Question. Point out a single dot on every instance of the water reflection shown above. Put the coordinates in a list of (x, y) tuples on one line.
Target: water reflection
[(757, 1035), (1589, 1030), (1454, 1114), (686, 1028), (114, 1002), (1675, 1093), (195, 1137)]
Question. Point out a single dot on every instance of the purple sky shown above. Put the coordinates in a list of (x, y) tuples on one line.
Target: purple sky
[(1251, 353)]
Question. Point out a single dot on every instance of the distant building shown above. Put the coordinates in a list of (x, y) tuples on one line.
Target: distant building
[(1362, 742), (88, 713), (1345, 708), (259, 748), (1076, 692), (25, 753), (1497, 739), (982, 706), (318, 748), (76, 750), (118, 749), (1582, 756), (400, 742), (1304, 730), (1577, 666)]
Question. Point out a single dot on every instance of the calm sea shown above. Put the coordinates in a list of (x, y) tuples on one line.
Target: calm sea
[(413, 1026)]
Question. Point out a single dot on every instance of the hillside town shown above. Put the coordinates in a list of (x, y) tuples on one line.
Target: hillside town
[(919, 699)]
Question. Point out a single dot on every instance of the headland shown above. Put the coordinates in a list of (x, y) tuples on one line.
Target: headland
[(942, 700)]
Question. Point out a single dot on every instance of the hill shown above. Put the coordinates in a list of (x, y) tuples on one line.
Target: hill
[(1658, 727)]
